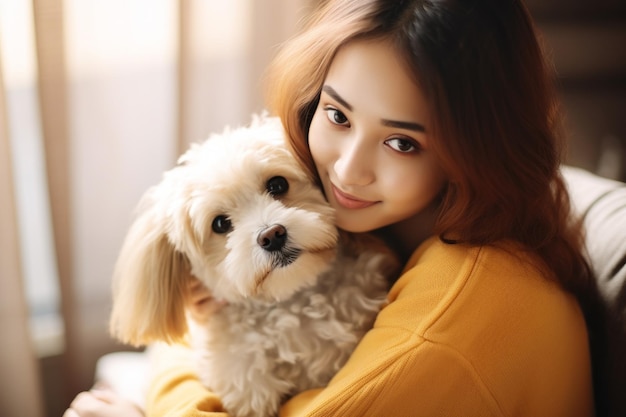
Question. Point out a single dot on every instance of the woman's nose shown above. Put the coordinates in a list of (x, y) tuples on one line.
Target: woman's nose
[(354, 165)]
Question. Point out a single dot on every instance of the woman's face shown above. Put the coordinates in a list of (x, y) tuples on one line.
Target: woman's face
[(370, 140)]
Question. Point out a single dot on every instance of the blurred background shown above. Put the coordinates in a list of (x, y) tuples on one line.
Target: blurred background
[(98, 98)]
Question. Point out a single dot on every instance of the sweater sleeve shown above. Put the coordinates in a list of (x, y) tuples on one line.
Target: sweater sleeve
[(393, 373), (175, 389)]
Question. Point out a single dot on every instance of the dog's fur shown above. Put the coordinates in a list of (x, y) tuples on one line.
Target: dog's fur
[(300, 296)]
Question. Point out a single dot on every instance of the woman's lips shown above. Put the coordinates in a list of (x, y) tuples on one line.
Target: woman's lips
[(349, 201)]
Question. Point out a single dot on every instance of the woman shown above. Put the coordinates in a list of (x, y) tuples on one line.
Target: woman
[(434, 124)]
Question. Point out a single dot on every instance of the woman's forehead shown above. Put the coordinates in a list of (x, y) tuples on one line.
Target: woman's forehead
[(370, 76)]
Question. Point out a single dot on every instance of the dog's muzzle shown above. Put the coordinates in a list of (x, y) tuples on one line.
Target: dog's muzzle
[(273, 239)]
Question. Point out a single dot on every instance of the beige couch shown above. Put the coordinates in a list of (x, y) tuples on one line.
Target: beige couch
[(602, 205)]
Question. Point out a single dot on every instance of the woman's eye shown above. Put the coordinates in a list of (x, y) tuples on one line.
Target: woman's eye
[(336, 117), (277, 186), (221, 224), (403, 145)]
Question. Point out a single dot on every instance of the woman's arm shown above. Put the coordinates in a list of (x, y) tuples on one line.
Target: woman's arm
[(176, 390)]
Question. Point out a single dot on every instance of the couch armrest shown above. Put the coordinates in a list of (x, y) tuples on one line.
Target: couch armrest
[(601, 203)]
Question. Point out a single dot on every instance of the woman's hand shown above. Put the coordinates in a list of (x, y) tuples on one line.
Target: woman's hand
[(200, 302), (101, 403)]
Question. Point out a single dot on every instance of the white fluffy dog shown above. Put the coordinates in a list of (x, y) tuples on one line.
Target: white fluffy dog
[(242, 216)]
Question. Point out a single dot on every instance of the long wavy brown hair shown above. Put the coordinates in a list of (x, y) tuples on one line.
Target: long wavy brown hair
[(496, 127)]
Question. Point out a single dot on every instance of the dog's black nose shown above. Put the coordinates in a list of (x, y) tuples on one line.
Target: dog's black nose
[(272, 238)]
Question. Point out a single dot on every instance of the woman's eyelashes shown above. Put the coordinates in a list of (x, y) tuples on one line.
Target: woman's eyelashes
[(403, 145), (336, 116)]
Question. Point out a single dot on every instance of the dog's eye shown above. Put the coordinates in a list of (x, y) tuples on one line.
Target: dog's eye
[(277, 186), (221, 224)]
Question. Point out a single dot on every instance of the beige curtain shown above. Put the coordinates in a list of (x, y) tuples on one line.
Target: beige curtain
[(120, 89), (20, 392)]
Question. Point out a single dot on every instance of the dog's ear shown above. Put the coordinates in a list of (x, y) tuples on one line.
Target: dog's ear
[(149, 284)]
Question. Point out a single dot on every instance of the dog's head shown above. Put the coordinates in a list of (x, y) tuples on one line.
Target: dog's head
[(239, 213)]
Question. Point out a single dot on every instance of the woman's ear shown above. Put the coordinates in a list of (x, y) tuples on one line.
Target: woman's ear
[(148, 286)]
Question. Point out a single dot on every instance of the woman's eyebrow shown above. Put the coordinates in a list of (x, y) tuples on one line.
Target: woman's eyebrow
[(404, 125), (331, 92), (386, 122)]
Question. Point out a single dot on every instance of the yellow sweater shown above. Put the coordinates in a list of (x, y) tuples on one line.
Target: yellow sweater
[(467, 332)]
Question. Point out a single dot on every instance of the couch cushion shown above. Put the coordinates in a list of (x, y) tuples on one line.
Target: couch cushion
[(602, 203)]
